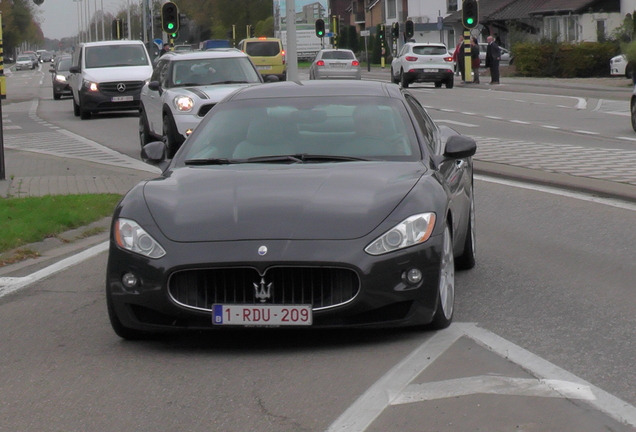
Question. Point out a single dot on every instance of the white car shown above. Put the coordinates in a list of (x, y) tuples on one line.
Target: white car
[(24, 62), (335, 63), (186, 85), (619, 66), (423, 62)]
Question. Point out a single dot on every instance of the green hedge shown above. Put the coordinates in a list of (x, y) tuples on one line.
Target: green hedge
[(564, 60)]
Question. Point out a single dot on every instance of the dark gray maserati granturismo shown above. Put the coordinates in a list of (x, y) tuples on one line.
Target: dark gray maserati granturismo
[(306, 204)]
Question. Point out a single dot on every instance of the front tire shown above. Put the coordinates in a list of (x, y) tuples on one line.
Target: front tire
[(394, 80), (76, 108), (170, 135), (446, 287), (83, 112), (467, 259), (633, 109), (403, 80), (144, 129)]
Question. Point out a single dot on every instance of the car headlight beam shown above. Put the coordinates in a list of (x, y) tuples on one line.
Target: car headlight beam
[(60, 78), (130, 236), (183, 103), (411, 231)]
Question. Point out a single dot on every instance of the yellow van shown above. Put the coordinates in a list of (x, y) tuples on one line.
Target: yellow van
[(267, 54)]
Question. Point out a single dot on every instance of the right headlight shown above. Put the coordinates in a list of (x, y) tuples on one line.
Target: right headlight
[(411, 231), (130, 236)]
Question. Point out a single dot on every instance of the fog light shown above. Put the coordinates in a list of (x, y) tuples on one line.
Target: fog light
[(129, 280), (414, 276)]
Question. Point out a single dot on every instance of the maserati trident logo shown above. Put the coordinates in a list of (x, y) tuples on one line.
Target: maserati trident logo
[(262, 291), (121, 87)]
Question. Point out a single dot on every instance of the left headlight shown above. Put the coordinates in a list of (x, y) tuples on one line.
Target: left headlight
[(413, 230), (130, 236), (91, 86), (60, 78), (183, 103)]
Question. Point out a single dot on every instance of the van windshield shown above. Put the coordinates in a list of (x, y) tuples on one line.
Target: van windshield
[(116, 56), (262, 48)]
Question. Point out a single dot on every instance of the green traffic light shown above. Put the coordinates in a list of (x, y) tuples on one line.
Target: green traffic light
[(470, 21), (170, 26)]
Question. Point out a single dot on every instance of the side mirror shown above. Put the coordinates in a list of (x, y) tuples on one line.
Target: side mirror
[(74, 69), (154, 152), (272, 78), (154, 85), (459, 147)]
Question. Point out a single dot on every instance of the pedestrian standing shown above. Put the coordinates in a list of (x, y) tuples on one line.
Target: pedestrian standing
[(458, 57), (475, 61), (493, 56)]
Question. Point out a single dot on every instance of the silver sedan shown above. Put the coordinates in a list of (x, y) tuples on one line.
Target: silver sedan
[(335, 64)]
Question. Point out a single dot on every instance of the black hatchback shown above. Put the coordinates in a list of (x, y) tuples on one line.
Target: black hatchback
[(59, 76)]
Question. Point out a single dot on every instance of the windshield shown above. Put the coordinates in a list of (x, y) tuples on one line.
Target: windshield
[(24, 58), (116, 56), (64, 64), (347, 127), (262, 48), (213, 71), (337, 55)]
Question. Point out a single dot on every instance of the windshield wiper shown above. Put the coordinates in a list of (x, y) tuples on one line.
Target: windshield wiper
[(303, 157), (228, 82), (211, 161)]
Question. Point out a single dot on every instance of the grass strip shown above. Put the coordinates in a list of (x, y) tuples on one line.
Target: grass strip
[(32, 219)]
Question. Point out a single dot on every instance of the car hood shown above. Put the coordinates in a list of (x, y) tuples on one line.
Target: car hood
[(323, 201), (117, 74), (214, 93)]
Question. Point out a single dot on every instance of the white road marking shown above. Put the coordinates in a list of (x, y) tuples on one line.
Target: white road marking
[(393, 388), (457, 123), (586, 132), (12, 284), (488, 384), (494, 117), (550, 127), (519, 122), (554, 191), (627, 138)]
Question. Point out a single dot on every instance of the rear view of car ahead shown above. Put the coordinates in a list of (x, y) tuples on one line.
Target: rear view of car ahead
[(184, 87), (60, 73), (335, 64), (24, 62), (268, 56), (423, 63), (108, 76), (315, 204)]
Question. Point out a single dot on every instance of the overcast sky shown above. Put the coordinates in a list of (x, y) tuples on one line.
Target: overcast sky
[(58, 18)]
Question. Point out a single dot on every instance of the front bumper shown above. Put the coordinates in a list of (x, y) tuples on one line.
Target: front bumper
[(107, 98), (383, 298)]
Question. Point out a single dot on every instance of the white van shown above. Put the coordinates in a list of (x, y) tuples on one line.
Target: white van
[(108, 76)]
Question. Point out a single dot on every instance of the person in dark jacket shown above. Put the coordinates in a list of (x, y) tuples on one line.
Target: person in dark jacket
[(474, 58), (493, 56), (458, 57)]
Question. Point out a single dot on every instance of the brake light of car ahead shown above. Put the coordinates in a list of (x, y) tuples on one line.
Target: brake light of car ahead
[(283, 54), (355, 63), (410, 58), (320, 63), (448, 59)]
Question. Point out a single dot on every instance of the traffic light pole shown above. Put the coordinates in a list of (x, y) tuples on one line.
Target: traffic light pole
[(468, 67)]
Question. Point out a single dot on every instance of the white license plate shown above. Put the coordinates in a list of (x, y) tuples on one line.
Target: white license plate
[(263, 67), (263, 315), (121, 98), (338, 65), (430, 70)]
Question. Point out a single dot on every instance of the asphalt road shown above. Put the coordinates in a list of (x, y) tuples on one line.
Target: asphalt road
[(541, 339)]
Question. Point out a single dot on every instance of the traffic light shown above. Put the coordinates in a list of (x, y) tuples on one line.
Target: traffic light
[(320, 28), (470, 13), (395, 30), (381, 30), (170, 18), (249, 31), (409, 29)]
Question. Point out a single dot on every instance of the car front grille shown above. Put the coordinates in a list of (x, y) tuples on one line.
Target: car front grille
[(319, 286), (131, 87)]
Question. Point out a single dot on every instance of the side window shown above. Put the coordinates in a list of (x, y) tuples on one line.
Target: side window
[(155, 73), (164, 76), (425, 123), (405, 50)]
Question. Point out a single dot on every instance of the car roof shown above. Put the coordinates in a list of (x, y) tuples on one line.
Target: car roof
[(334, 49), (207, 54), (112, 42), (433, 44), (318, 88)]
